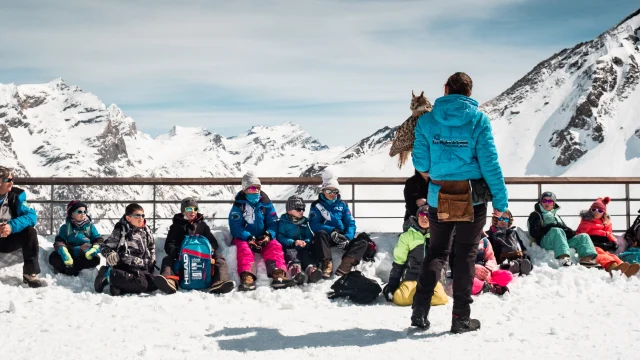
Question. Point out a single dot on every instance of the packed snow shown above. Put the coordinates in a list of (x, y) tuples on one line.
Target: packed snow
[(568, 313)]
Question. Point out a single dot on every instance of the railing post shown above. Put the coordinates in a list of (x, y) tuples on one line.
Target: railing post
[(353, 200), (51, 207), (539, 191), (627, 200), (154, 208)]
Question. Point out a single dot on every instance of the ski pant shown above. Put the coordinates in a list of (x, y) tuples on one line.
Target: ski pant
[(498, 277), (606, 259), (271, 253), (131, 281), (27, 240), (403, 296), (304, 257), (465, 246), (219, 270), (79, 263), (556, 240), (322, 243)]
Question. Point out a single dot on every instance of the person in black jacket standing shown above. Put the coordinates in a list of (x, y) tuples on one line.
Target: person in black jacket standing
[(415, 196), (191, 222)]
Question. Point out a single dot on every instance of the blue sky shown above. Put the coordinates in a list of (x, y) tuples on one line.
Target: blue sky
[(341, 69)]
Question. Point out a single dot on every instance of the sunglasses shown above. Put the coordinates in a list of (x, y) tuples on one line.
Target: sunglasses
[(80, 212), (331, 191), (137, 215), (502, 218), (597, 210), (299, 209), (254, 188), (547, 201), (191, 209), (423, 214), (7, 180)]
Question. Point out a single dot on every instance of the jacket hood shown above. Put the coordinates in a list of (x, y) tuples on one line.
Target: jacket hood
[(455, 110)]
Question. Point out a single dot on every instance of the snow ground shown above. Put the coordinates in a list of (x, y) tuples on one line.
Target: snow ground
[(553, 313)]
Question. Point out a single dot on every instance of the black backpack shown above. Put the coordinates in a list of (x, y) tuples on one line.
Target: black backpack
[(355, 287), (630, 234)]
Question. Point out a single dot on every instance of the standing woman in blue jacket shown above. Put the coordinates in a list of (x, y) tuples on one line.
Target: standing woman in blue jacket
[(17, 227), (454, 150)]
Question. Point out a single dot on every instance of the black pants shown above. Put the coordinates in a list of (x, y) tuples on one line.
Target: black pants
[(304, 257), (27, 240), (220, 269), (131, 281), (79, 263), (322, 243), (465, 247)]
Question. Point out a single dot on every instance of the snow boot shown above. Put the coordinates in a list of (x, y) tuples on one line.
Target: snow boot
[(327, 268), (167, 284), (222, 287), (296, 273), (280, 280), (494, 289), (589, 262), (32, 280), (248, 282), (564, 261), (419, 318), (102, 279), (345, 266), (623, 267), (633, 269), (313, 274), (461, 325), (525, 267), (514, 267)]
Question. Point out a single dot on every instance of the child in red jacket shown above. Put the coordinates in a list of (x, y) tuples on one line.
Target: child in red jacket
[(596, 223)]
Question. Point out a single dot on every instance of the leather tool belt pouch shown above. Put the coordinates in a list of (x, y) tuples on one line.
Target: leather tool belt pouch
[(454, 201)]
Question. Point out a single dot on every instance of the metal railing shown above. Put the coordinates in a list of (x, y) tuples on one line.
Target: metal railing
[(352, 182)]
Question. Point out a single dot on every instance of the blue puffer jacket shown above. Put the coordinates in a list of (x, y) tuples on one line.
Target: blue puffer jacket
[(247, 219), (73, 237), (334, 215), (23, 215), (289, 232), (454, 142)]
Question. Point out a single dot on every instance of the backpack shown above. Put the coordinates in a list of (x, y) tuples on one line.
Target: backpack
[(630, 234), (194, 265), (508, 243), (355, 287), (372, 248)]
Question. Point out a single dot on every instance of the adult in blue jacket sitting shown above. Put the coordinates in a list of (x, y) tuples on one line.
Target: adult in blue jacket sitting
[(334, 226), (294, 233), (17, 227), (78, 242), (454, 150)]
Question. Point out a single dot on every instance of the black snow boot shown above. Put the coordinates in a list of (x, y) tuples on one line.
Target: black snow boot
[(419, 319), (461, 325)]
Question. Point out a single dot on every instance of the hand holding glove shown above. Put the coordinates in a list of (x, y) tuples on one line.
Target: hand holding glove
[(253, 244), (483, 273), (339, 238), (264, 239), (66, 257), (112, 258), (92, 252)]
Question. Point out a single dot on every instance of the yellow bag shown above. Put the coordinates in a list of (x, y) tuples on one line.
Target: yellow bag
[(403, 296)]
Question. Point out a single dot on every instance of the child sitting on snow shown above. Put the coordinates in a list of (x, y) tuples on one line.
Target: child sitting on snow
[(596, 223), (296, 237), (253, 223), (508, 248), (130, 252), (78, 242), (488, 277), (408, 256)]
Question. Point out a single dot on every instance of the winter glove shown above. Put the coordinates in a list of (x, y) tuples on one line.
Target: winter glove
[(340, 240), (263, 240), (388, 293), (112, 258), (92, 252), (483, 273), (66, 257), (253, 245), (137, 262)]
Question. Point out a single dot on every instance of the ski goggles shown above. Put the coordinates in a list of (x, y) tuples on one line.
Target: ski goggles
[(331, 191), (80, 212), (547, 201), (7, 180), (254, 188), (599, 211), (191, 209), (505, 219), (423, 214)]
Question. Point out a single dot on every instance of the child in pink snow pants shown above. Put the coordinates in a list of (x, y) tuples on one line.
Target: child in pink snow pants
[(489, 278), (253, 223)]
